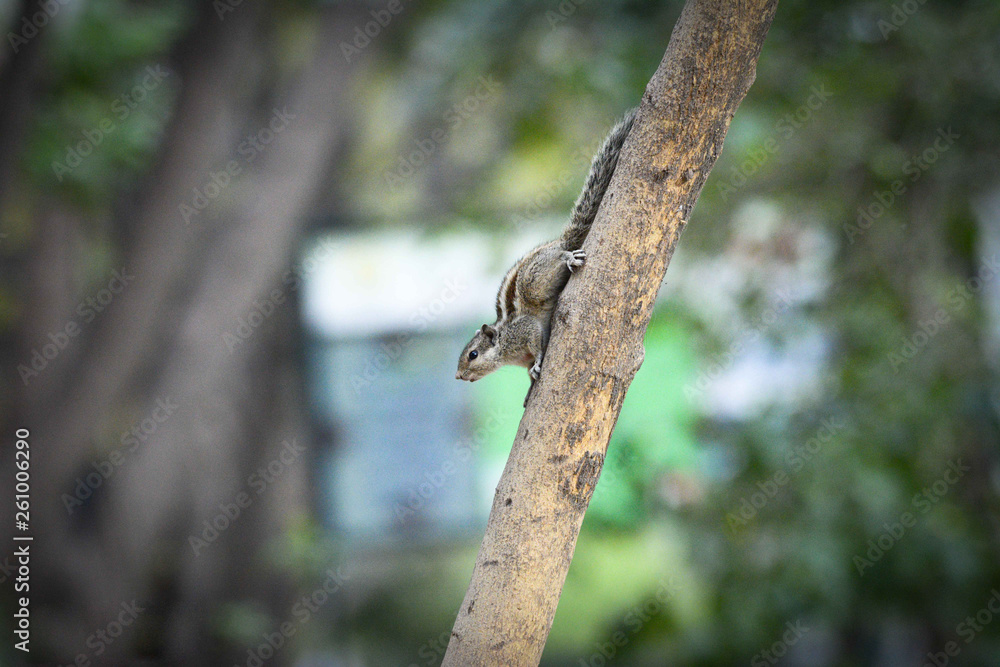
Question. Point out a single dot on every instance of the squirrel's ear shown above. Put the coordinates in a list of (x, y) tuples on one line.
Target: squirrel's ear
[(490, 332)]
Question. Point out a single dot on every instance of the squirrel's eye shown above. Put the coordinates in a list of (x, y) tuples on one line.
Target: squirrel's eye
[(473, 354)]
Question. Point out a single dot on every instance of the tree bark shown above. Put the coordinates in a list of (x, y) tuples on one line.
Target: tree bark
[(597, 332)]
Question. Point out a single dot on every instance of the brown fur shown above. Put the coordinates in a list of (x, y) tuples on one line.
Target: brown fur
[(530, 289)]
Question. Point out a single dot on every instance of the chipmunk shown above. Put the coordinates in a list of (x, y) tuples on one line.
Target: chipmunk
[(531, 288)]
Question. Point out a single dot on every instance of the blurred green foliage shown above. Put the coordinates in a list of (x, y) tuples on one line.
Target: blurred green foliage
[(674, 474)]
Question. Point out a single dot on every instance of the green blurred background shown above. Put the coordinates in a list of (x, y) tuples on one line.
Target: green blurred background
[(243, 244)]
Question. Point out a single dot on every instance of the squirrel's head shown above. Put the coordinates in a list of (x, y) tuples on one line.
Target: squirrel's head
[(480, 357)]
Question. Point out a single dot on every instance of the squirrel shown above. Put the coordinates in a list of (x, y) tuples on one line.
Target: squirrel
[(529, 291)]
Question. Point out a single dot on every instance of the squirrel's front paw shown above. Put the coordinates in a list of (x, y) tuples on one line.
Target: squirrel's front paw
[(535, 371), (575, 259)]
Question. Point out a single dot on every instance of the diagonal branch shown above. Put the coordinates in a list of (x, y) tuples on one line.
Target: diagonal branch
[(598, 329)]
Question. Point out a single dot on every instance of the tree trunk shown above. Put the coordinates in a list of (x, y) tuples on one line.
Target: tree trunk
[(597, 333), (163, 338)]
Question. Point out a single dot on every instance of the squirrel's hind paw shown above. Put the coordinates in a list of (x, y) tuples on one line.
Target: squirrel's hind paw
[(575, 259)]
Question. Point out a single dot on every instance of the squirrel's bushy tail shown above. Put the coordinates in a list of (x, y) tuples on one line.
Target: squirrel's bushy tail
[(601, 170)]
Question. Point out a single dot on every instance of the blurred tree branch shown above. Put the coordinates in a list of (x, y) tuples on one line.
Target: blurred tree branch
[(159, 250), (598, 329), (162, 338), (19, 70)]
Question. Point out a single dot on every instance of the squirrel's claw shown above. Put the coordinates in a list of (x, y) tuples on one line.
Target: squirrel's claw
[(535, 371), (575, 259)]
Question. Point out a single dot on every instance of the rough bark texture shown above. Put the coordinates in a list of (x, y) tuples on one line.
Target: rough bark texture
[(598, 330)]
